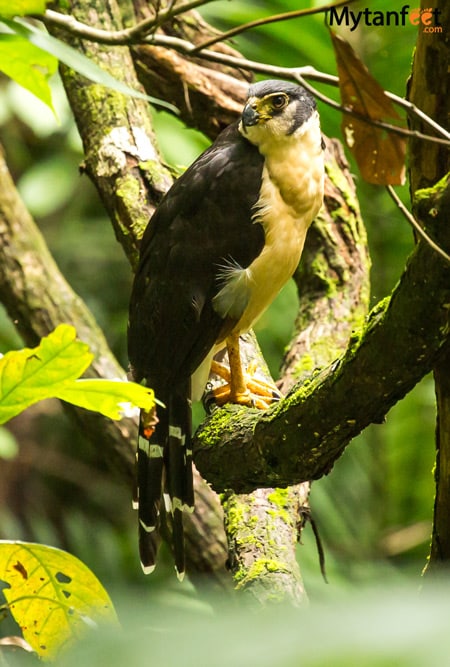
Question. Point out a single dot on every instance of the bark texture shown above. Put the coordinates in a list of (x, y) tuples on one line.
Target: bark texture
[(430, 91), (121, 157), (262, 529), (263, 526)]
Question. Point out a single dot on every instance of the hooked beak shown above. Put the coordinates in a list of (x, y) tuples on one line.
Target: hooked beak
[(250, 116)]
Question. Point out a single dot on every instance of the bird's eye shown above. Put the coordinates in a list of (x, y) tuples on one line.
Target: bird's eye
[(279, 101)]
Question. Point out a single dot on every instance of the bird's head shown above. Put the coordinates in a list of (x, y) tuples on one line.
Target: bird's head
[(275, 110)]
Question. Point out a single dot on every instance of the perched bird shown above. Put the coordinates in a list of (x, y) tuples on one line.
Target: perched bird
[(222, 243)]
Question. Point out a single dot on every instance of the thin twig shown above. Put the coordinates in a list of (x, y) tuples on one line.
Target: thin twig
[(409, 107), (299, 74), (276, 18), (134, 34), (167, 15), (130, 36), (395, 129), (413, 222), (412, 110), (125, 37)]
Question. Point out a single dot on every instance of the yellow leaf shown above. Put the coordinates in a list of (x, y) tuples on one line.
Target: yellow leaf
[(51, 370), (32, 374), (113, 398), (53, 596)]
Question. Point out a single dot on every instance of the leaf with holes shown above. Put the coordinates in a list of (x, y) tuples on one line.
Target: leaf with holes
[(380, 154), (53, 596)]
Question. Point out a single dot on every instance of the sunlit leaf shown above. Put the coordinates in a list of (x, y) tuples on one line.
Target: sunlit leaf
[(110, 398), (79, 62), (30, 375), (21, 7), (28, 65), (380, 154), (52, 369), (54, 597)]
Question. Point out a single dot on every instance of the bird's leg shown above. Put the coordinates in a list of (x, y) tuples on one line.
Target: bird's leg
[(242, 388), (239, 392)]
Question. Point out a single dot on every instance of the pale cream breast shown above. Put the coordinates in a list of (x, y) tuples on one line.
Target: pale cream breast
[(291, 196)]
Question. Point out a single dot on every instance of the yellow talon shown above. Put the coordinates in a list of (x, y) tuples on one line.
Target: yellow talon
[(240, 388)]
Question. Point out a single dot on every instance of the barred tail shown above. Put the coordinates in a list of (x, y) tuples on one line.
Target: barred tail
[(150, 471), (164, 469)]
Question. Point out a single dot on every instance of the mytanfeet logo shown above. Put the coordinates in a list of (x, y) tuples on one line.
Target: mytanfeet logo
[(426, 19)]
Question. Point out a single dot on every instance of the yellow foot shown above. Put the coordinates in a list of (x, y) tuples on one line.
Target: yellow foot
[(257, 393)]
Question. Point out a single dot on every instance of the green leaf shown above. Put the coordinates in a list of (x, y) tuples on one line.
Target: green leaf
[(52, 595), (52, 369), (21, 7), (111, 398), (77, 61), (27, 64), (30, 375)]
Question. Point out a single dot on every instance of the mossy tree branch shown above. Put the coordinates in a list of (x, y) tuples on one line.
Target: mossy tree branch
[(262, 529), (263, 526)]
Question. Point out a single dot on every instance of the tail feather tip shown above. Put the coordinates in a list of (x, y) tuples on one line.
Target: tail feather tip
[(147, 569)]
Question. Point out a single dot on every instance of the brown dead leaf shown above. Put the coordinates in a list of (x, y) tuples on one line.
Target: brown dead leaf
[(380, 154)]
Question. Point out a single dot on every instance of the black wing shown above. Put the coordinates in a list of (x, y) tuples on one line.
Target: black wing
[(204, 220)]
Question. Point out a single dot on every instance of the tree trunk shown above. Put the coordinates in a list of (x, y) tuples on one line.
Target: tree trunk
[(429, 90)]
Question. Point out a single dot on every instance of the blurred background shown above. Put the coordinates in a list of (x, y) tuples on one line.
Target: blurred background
[(374, 510)]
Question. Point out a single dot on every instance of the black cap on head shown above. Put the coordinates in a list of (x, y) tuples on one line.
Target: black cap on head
[(300, 100)]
